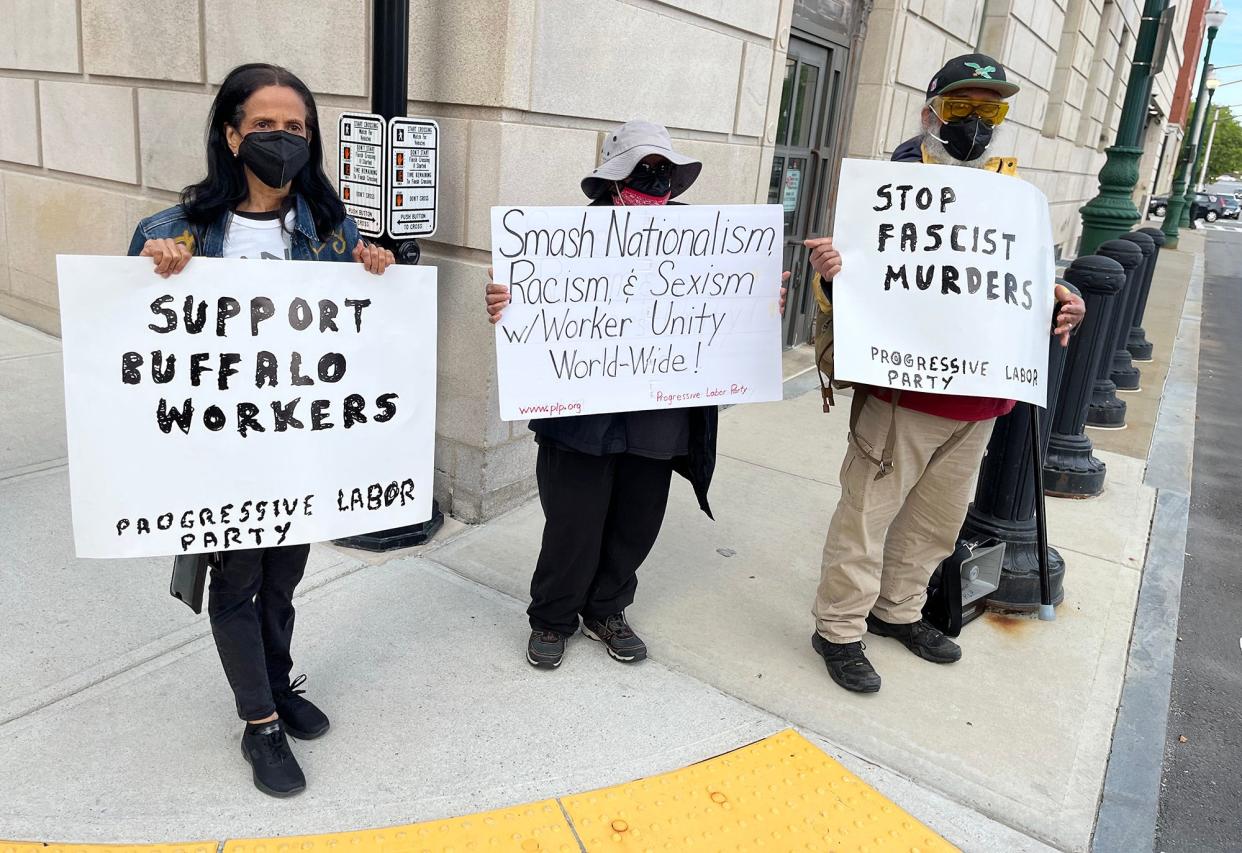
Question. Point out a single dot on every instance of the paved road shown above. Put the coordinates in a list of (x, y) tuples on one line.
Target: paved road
[(1201, 801)]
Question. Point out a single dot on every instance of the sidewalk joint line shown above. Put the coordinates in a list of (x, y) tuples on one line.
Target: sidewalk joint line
[(569, 820)]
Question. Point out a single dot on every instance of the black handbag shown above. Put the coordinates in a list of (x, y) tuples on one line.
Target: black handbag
[(189, 576)]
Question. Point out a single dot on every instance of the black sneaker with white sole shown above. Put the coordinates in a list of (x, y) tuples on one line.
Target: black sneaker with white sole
[(545, 649), (617, 636), (276, 772)]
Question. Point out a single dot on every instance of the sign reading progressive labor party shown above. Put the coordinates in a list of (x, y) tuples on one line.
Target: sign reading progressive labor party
[(946, 283), (619, 309), (245, 403)]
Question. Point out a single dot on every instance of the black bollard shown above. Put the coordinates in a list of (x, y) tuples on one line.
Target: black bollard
[(1138, 345), (1004, 505), (1070, 469), (1124, 374), (1106, 410)]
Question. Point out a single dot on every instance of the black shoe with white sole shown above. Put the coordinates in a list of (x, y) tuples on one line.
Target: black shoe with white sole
[(276, 772), (617, 636), (545, 649)]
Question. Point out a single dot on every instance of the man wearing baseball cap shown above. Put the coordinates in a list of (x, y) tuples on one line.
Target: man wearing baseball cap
[(913, 458)]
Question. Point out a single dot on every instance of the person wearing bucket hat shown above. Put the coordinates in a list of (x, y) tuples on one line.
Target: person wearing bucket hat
[(604, 479), (892, 528)]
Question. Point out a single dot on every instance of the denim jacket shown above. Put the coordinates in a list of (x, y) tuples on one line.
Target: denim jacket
[(208, 242)]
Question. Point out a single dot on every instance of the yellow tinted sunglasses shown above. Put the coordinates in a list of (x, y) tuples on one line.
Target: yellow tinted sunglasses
[(950, 109)]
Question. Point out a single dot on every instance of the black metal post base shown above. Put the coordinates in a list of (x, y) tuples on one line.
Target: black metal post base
[(1140, 348), (1070, 469), (1019, 581), (1127, 379), (1106, 411), (397, 537)]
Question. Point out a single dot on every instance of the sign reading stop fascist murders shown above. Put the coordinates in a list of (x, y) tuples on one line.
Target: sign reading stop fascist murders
[(245, 403), (946, 283), (619, 309)]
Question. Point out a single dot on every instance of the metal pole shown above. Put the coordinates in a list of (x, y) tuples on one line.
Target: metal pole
[(1070, 468), (1124, 374), (1207, 154), (1107, 411), (1178, 211), (1140, 348), (1194, 163), (1111, 213), (390, 64)]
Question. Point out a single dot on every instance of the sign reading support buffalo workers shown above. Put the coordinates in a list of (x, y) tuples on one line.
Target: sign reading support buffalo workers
[(617, 309), (360, 157), (245, 403), (946, 282), (412, 176)]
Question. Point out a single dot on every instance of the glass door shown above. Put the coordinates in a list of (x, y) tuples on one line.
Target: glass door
[(808, 110)]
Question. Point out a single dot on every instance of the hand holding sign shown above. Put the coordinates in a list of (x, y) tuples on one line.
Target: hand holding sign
[(610, 309)]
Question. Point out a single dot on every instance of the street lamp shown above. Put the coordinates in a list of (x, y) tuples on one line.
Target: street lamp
[(1213, 84), (1112, 212), (1210, 84), (1180, 198)]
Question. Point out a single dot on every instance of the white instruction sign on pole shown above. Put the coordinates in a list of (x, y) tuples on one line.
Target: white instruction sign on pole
[(946, 282), (619, 309), (412, 176), (360, 159)]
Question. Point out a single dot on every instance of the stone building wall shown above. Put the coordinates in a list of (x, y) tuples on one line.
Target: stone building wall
[(103, 106), (1071, 57)]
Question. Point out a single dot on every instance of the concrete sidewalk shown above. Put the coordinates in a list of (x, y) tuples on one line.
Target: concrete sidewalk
[(116, 724)]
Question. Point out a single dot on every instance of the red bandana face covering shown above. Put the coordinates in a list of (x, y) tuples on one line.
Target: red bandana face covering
[(630, 197)]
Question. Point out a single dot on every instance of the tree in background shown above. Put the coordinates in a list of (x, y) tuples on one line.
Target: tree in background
[(1226, 156)]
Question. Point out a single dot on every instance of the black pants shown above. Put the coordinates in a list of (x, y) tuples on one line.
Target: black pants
[(251, 610), (602, 515)]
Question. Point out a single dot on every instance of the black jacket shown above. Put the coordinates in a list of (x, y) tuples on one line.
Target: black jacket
[(599, 435)]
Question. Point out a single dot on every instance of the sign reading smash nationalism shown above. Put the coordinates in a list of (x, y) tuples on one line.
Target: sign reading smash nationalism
[(946, 283), (618, 309), (245, 403)]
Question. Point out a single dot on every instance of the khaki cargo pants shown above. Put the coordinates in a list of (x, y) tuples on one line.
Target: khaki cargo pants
[(887, 536)]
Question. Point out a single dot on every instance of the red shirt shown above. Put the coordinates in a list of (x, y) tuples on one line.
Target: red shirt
[(950, 405)]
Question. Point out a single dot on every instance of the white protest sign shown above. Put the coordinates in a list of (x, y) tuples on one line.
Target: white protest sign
[(245, 403), (359, 158), (412, 176), (946, 283), (620, 309)]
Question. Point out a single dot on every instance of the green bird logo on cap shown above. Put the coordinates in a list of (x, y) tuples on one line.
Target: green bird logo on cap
[(984, 71)]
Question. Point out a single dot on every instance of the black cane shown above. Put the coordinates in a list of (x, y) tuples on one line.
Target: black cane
[(1046, 611)]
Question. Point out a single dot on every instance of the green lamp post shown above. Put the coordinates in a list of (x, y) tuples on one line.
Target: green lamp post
[(1179, 209), (1112, 213), (1191, 187)]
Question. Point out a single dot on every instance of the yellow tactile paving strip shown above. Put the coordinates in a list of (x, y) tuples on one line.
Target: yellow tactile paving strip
[(780, 794), (533, 828), (32, 847)]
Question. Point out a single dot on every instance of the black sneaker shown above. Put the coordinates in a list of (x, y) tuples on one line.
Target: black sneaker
[(300, 717), (545, 648), (847, 664), (276, 771), (919, 637), (617, 636)]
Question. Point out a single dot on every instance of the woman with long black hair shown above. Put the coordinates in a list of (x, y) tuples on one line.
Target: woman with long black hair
[(265, 196)]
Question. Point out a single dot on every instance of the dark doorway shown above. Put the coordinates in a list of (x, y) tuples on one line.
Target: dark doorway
[(803, 161)]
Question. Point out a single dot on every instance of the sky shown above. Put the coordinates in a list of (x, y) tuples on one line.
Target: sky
[(1226, 51)]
